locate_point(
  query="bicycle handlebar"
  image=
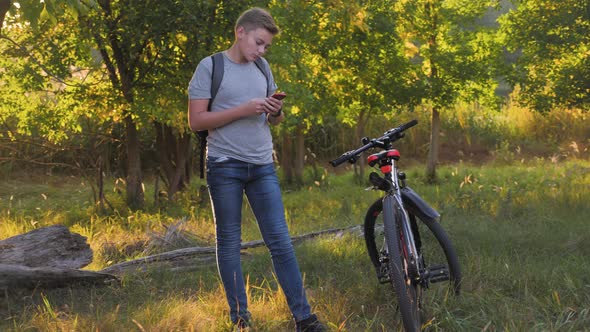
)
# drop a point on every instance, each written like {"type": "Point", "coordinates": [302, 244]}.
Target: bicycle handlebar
{"type": "Point", "coordinates": [390, 136]}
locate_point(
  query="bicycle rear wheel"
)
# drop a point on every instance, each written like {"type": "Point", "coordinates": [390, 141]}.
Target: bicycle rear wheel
{"type": "Point", "coordinates": [439, 258]}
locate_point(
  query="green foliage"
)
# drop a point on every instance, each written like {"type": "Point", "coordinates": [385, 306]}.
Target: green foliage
{"type": "Point", "coordinates": [454, 55]}
{"type": "Point", "coordinates": [111, 65]}
{"type": "Point", "coordinates": [482, 134]}
{"type": "Point", "coordinates": [551, 39]}
{"type": "Point", "coordinates": [339, 59]}
{"type": "Point", "coordinates": [294, 63]}
{"type": "Point", "coordinates": [145, 54]}
{"type": "Point", "coordinates": [34, 78]}
{"type": "Point", "coordinates": [343, 63]}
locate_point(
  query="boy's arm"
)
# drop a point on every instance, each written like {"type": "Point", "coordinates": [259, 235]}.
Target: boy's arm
{"type": "Point", "coordinates": [274, 119]}
{"type": "Point", "coordinates": [200, 119]}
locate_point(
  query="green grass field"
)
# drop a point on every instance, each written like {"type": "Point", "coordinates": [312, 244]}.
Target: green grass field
{"type": "Point", "coordinates": [521, 231]}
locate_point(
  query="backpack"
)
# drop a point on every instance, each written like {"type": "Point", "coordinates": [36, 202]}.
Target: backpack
{"type": "Point", "coordinates": [216, 78]}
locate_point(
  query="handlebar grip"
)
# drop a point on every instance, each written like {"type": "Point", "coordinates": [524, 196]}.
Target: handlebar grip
{"type": "Point", "coordinates": [340, 159]}
{"type": "Point", "coordinates": [393, 134]}
{"type": "Point", "coordinates": [408, 125]}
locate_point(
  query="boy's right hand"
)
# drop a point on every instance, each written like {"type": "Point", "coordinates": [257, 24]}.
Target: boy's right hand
{"type": "Point", "coordinates": [257, 106]}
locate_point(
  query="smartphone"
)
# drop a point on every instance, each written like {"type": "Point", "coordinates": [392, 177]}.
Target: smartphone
{"type": "Point", "coordinates": [279, 95]}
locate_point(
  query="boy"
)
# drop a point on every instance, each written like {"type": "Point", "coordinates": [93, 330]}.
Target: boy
{"type": "Point", "coordinates": [239, 160]}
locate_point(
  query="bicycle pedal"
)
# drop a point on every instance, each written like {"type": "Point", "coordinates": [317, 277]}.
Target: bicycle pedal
{"type": "Point", "coordinates": [383, 275]}
{"type": "Point", "coordinates": [437, 273]}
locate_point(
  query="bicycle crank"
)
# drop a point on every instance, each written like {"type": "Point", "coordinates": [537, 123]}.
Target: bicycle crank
{"type": "Point", "coordinates": [383, 269]}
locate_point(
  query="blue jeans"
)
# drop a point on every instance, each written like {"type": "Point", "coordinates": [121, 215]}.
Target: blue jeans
{"type": "Point", "coordinates": [228, 180]}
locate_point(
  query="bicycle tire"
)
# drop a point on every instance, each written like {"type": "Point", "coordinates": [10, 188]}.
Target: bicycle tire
{"type": "Point", "coordinates": [434, 227]}
{"type": "Point", "coordinates": [445, 243]}
{"type": "Point", "coordinates": [407, 292]}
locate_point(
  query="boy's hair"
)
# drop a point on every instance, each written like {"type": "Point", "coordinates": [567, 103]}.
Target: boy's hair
{"type": "Point", "coordinates": [255, 18]}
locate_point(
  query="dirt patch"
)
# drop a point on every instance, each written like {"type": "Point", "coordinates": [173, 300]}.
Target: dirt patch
{"type": "Point", "coordinates": [474, 154]}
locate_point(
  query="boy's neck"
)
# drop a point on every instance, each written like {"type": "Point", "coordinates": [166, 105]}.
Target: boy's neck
{"type": "Point", "coordinates": [234, 54]}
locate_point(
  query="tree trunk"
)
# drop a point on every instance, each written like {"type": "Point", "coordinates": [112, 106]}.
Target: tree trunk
{"type": "Point", "coordinates": [190, 157]}
{"type": "Point", "coordinates": [122, 69]}
{"type": "Point", "coordinates": [299, 155]}
{"type": "Point", "coordinates": [360, 133]}
{"type": "Point", "coordinates": [434, 146]}
{"type": "Point", "coordinates": [135, 194]}
{"type": "Point", "coordinates": [179, 181]}
{"type": "Point", "coordinates": [4, 7]}
{"type": "Point", "coordinates": [172, 151]}
{"type": "Point", "coordinates": [286, 157]}
{"type": "Point", "coordinates": [436, 92]}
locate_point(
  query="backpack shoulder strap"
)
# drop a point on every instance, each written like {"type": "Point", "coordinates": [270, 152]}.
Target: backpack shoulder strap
{"type": "Point", "coordinates": [216, 74]}
{"type": "Point", "coordinates": [266, 71]}
{"type": "Point", "coordinates": [216, 78]}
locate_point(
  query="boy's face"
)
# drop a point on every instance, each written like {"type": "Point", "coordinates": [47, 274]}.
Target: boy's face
{"type": "Point", "coordinates": [254, 43]}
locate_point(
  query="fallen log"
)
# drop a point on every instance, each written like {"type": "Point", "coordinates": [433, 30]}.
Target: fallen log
{"type": "Point", "coordinates": [20, 276]}
{"type": "Point", "coordinates": [53, 246]}
{"type": "Point", "coordinates": [47, 257]}
{"type": "Point", "coordinates": [200, 255]}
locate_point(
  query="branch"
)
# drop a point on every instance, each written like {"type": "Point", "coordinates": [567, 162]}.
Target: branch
{"type": "Point", "coordinates": [38, 63]}
{"type": "Point", "coordinates": [39, 163]}
{"type": "Point", "coordinates": [204, 254]}
{"type": "Point", "coordinates": [107, 59]}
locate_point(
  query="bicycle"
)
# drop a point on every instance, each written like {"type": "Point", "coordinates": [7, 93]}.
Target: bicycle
{"type": "Point", "coordinates": [409, 257]}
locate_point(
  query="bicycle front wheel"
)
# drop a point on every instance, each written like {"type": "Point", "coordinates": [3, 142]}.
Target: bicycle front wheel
{"type": "Point", "coordinates": [438, 256]}
{"type": "Point", "coordinates": [408, 292]}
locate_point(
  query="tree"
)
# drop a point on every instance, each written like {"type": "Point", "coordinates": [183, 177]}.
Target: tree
{"type": "Point", "coordinates": [201, 28]}
{"type": "Point", "coordinates": [150, 51]}
{"type": "Point", "coordinates": [147, 52]}
{"type": "Point", "coordinates": [119, 64]}
{"type": "Point", "coordinates": [454, 56]}
{"type": "Point", "coordinates": [38, 67]}
{"type": "Point", "coordinates": [131, 40]}
{"type": "Point", "coordinates": [44, 120]}
{"type": "Point", "coordinates": [366, 70]}
{"type": "Point", "coordinates": [294, 60]}
{"type": "Point", "coordinates": [552, 39]}
{"type": "Point", "coordinates": [340, 60]}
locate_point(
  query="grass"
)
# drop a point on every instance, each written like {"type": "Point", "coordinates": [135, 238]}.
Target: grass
{"type": "Point", "coordinates": [520, 229]}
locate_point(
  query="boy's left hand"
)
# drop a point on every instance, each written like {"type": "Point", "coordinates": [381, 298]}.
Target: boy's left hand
{"type": "Point", "coordinates": [273, 106]}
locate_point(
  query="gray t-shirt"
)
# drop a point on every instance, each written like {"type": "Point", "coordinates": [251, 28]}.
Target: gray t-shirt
{"type": "Point", "coordinates": [246, 139]}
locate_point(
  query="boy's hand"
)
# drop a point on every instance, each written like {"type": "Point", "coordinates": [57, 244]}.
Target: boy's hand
{"type": "Point", "coordinates": [257, 106]}
{"type": "Point", "coordinates": [273, 106]}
